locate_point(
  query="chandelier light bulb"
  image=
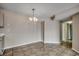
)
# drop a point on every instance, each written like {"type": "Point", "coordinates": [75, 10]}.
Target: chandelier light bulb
{"type": "Point", "coordinates": [35, 19]}
{"type": "Point", "coordinates": [30, 19]}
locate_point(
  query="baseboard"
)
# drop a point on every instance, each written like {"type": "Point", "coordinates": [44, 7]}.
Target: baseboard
{"type": "Point", "coordinates": [53, 42]}
{"type": "Point", "coordinates": [75, 50]}
{"type": "Point", "coordinates": [30, 43]}
{"type": "Point", "coordinates": [22, 44]}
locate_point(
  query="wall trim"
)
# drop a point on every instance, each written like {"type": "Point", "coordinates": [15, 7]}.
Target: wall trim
{"type": "Point", "coordinates": [53, 42]}
{"type": "Point", "coordinates": [22, 44]}
{"type": "Point", "coordinates": [30, 43]}
{"type": "Point", "coordinates": [75, 50]}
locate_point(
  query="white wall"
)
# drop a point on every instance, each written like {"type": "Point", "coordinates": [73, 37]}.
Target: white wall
{"type": "Point", "coordinates": [52, 32]}
{"type": "Point", "coordinates": [19, 31]}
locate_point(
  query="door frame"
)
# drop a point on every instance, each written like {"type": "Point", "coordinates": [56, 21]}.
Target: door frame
{"type": "Point", "coordinates": [67, 19]}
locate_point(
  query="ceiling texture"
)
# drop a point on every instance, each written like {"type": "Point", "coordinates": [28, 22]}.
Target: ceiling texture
{"type": "Point", "coordinates": [43, 10]}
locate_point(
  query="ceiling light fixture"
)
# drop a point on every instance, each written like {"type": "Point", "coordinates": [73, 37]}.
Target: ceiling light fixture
{"type": "Point", "coordinates": [33, 18]}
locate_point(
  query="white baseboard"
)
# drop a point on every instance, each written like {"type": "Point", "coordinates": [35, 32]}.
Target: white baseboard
{"type": "Point", "coordinates": [30, 43]}
{"type": "Point", "coordinates": [21, 44]}
{"type": "Point", "coordinates": [75, 50]}
{"type": "Point", "coordinates": [53, 42]}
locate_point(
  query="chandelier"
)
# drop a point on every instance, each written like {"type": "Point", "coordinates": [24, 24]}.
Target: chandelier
{"type": "Point", "coordinates": [33, 18]}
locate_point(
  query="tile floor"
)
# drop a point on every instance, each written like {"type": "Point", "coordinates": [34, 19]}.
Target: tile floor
{"type": "Point", "coordinates": [38, 49]}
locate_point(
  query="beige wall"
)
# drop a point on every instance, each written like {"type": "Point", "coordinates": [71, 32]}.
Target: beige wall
{"type": "Point", "coordinates": [75, 43]}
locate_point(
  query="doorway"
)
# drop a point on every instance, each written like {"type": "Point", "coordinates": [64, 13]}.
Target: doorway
{"type": "Point", "coordinates": [66, 33]}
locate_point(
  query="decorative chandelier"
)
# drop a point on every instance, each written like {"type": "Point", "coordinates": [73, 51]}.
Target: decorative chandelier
{"type": "Point", "coordinates": [33, 18]}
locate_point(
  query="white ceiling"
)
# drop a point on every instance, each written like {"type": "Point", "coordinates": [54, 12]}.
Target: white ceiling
{"type": "Point", "coordinates": [43, 10]}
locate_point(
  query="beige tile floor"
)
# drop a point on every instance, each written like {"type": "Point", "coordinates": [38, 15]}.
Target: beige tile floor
{"type": "Point", "coordinates": [38, 49]}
